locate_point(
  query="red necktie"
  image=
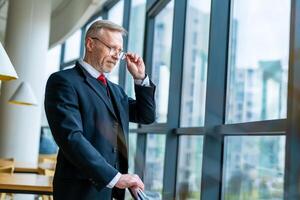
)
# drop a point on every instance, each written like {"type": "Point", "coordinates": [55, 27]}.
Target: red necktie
{"type": "Point", "coordinates": [103, 80]}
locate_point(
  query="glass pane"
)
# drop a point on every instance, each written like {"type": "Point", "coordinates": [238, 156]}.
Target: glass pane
{"type": "Point", "coordinates": [253, 168]}
{"type": "Point", "coordinates": [115, 14]}
{"type": "Point", "coordinates": [132, 150]}
{"type": "Point", "coordinates": [155, 155]}
{"type": "Point", "coordinates": [47, 143]}
{"type": "Point", "coordinates": [189, 167]}
{"type": "Point", "coordinates": [133, 125]}
{"type": "Point", "coordinates": [131, 158]}
{"type": "Point", "coordinates": [72, 48]}
{"type": "Point", "coordinates": [195, 63]}
{"type": "Point", "coordinates": [135, 37]}
{"type": "Point", "coordinates": [258, 60]}
{"type": "Point", "coordinates": [162, 58]}
{"type": "Point", "coordinates": [53, 60]}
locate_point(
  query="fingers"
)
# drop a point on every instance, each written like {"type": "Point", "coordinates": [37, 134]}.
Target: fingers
{"type": "Point", "coordinates": [129, 181]}
{"type": "Point", "coordinates": [135, 181]}
{"type": "Point", "coordinates": [133, 57]}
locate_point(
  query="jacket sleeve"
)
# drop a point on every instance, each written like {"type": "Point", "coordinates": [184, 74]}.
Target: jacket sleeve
{"type": "Point", "coordinates": [142, 110]}
{"type": "Point", "coordinates": [62, 110]}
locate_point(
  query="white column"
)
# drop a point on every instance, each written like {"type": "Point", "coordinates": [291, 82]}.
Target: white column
{"type": "Point", "coordinates": [27, 38]}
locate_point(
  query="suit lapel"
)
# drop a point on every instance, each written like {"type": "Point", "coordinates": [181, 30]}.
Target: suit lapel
{"type": "Point", "coordinates": [100, 91]}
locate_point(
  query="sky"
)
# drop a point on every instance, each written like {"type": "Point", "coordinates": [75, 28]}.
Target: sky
{"type": "Point", "coordinates": [263, 31]}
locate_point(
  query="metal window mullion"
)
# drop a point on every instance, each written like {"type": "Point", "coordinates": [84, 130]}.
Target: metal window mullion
{"type": "Point", "coordinates": [176, 70]}
{"type": "Point", "coordinates": [150, 3]}
{"type": "Point", "coordinates": [140, 156]}
{"type": "Point", "coordinates": [126, 22]}
{"type": "Point", "coordinates": [292, 161]}
{"type": "Point", "coordinates": [62, 55]}
{"type": "Point", "coordinates": [82, 41]}
{"type": "Point", "coordinates": [215, 100]}
{"type": "Point", "coordinates": [149, 39]}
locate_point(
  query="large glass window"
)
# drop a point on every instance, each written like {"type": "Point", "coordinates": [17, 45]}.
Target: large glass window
{"type": "Point", "coordinates": [72, 48]}
{"type": "Point", "coordinates": [135, 37]}
{"type": "Point", "coordinates": [115, 14]}
{"type": "Point", "coordinates": [53, 60]}
{"type": "Point", "coordinates": [132, 151]}
{"type": "Point", "coordinates": [131, 158]}
{"type": "Point", "coordinates": [195, 63]}
{"type": "Point", "coordinates": [155, 155]}
{"type": "Point", "coordinates": [258, 60]}
{"type": "Point", "coordinates": [253, 167]}
{"type": "Point", "coordinates": [189, 167]}
{"type": "Point", "coordinates": [162, 58]}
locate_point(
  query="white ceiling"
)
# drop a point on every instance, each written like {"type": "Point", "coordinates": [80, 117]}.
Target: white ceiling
{"type": "Point", "coordinates": [56, 5]}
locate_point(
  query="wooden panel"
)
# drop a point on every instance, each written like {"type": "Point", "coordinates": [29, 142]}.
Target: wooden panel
{"type": "Point", "coordinates": [25, 183]}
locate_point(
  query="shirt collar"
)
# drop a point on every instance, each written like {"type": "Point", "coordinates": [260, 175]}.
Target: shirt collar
{"type": "Point", "coordinates": [89, 68]}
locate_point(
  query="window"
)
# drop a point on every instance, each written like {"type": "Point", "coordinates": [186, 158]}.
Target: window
{"type": "Point", "coordinates": [132, 151]}
{"type": "Point", "coordinates": [115, 14]}
{"type": "Point", "coordinates": [253, 167]}
{"type": "Point", "coordinates": [161, 59]}
{"type": "Point", "coordinates": [135, 37]}
{"type": "Point", "coordinates": [189, 167]}
{"type": "Point", "coordinates": [53, 60]}
{"type": "Point", "coordinates": [131, 158]}
{"type": "Point", "coordinates": [72, 48]}
{"type": "Point", "coordinates": [258, 59]}
{"type": "Point", "coordinates": [195, 63]}
{"type": "Point", "coordinates": [155, 155]}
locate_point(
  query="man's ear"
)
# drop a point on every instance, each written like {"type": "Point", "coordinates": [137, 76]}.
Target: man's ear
{"type": "Point", "coordinates": [89, 44]}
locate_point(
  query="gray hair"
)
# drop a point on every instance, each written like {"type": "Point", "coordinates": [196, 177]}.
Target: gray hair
{"type": "Point", "coordinates": [104, 24]}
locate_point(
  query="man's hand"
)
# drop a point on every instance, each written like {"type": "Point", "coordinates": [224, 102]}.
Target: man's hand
{"type": "Point", "coordinates": [135, 66]}
{"type": "Point", "coordinates": [130, 181]}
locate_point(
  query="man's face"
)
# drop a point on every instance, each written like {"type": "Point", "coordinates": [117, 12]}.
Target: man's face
{"type": "Point", "coordinates": [104, 48]}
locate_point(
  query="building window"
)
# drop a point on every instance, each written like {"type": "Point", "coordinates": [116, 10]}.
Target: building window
{"type": "Point", "coordinates": [189, 167]}
{"type": "Point", "coordinates": [72, 48]}
{"type": "Point", "coordinates": [115, 14]}
{"type": "Point", "coordinates": [258, 57]}
{"type": "Point", "coordinates": [257, 169]}
{"type": "Point", "coordinates": [195, 62]}
{"type": "Point", "coordinates": [162, 58]}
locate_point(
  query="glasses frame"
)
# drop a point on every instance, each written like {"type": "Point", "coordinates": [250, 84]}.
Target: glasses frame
{"type": "Point", "coordinates": [112, 51]}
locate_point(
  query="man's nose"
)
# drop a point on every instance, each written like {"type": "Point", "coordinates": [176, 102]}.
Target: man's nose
{"type": "Point", "coordinates": [115, 56]}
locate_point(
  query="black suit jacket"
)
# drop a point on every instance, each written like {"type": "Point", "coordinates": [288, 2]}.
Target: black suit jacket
{"type": "Point", "coordinates": [85, 125]}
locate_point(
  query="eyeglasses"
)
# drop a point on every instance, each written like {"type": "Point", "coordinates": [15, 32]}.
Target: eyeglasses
{"type": "Point", "coordinates": [112, 51]}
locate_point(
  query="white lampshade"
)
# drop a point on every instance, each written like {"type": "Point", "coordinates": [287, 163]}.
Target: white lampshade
{"type": "Point", "coordinates": [23, 95]}
{"type": "Point", "coordinates": [7, 71]}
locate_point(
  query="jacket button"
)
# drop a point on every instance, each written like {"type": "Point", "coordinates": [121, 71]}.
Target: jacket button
{"type": "Point", "coordinates": [114, 150]}
{"type": "Point", "coordinates": [116, 124]}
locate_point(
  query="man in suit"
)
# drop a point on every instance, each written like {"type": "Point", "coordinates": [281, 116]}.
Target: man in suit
{"type": "Point", "coordinates": [89, 118]}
